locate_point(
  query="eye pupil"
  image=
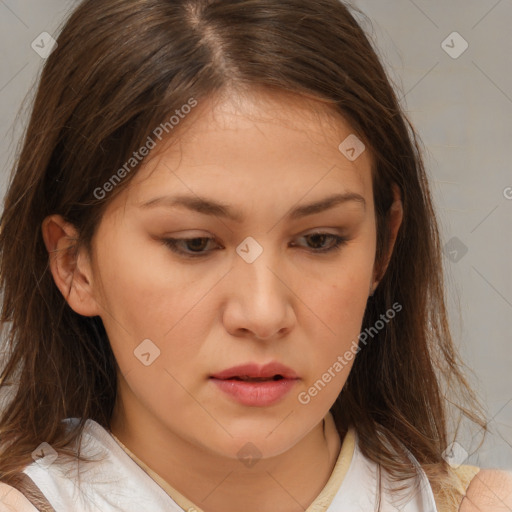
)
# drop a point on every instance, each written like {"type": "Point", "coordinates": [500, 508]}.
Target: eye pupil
{"type": "Point", "coordinates": [314, 237]}
{"type": "Point", "coordinates": [193, 245]}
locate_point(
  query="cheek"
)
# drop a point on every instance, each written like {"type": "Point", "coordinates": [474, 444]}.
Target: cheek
{"type": "Point", "coordinates": [339, 309]}
{"type": "Point", "coordinates": [337, 301]}
{"type": "Point", "coordinates": [143, 292]}
{"type": "Point", "coordinates": [173, 310]}
{"type": "Point", "coordinates": [338, 297]}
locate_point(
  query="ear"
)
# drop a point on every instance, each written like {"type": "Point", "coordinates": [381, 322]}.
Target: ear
{"type": "Point", "coordinates": [395, 217]}
{"type": "Point", "coordinates": [70, 268]}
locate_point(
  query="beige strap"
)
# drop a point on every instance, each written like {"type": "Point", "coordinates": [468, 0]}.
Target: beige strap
{"type": "Point", "coordinates": [29, 489]}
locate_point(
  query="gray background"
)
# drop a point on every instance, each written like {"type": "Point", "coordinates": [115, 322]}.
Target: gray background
{"type": "Point", "coordinates": [461, 107]}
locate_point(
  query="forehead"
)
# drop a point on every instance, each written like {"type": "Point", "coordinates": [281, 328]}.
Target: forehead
{"type": "Point", "coordinates": [247, 145]}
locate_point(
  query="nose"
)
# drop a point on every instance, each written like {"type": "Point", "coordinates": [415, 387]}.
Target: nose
{"type": "Point", "coordinates": [260, 300]}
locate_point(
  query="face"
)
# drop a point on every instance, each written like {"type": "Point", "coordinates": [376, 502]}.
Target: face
{"type": "Point", "coordinates": [186, 293]}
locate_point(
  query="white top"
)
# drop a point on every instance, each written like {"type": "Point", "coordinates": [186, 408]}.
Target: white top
{"type": "Point", "coordinates": [119, 484]}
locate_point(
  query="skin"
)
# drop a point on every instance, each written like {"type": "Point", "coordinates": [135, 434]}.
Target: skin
{"type": "Point", "coordinates": [263, 155]}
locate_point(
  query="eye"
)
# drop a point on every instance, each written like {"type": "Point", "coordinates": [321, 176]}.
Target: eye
{"type": "Point", "coordinates": [195, 247]}
{"type": "Point", "coordinates": [195, 244]}
{"type": "Point", "coordinates": [319, 238]}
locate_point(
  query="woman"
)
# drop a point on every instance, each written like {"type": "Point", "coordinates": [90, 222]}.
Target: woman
{"type": "Point", "coordinates": [249, 371]}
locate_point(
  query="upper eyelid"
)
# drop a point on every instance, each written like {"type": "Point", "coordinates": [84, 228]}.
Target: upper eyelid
{"type": "Point", "coordinates": [311, 231]}
{"type": "Point", "coordinates": [214, 238]}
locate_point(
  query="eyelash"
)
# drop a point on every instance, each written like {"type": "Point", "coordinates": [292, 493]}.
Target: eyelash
{"type": "Point", "coordinates": [172, 243]}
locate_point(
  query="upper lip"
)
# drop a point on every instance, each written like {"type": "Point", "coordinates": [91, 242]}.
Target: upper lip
{"type": "Point", "coordinates": [253, 370]}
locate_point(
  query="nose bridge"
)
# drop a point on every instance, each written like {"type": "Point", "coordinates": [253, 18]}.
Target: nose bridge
{"type": "Point", "coordinates": [257, 265]}
{"type": "Point", "coordinates": [260, 290]}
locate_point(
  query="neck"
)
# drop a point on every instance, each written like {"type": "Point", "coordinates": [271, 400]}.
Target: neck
{"type": "Point", "coordinates": [289, 482]}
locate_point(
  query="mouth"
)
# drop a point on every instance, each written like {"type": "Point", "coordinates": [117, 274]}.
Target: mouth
{"type": "Point", "coordinates": [256, 386]}
{"type": "Point", "coordinates": [246, 378]}
{"type": "Point", "coordinates": [255, 372]}
{"type": "Point", "coordinates": [255, 391]}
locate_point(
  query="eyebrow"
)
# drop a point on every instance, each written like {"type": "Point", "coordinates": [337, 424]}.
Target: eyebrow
{"type": "Point", "coordinates": [211, 207]}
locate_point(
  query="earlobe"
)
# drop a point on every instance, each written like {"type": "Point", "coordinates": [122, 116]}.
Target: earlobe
{"type": "Point", "coordinates": [69, 266]}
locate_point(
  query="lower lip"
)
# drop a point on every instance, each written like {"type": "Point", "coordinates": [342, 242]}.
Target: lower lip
{"type": "Point", "coordinates": [256, 394]}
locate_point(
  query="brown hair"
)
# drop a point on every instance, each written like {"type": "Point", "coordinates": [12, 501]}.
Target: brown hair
{"type": "Point", "coordinates": [121, 68]}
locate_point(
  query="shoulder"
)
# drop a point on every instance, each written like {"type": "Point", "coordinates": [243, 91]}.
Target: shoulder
{"type": "Point", "coordinates": [490, 490]}
{"type": "Point", "coordinates": [12, 500]}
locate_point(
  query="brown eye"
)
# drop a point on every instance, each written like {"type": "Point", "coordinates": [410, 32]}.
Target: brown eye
{"type": "Point", "coordinates": [195, 245]}
{"type": "Point", "coordinates": [319, 239]}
